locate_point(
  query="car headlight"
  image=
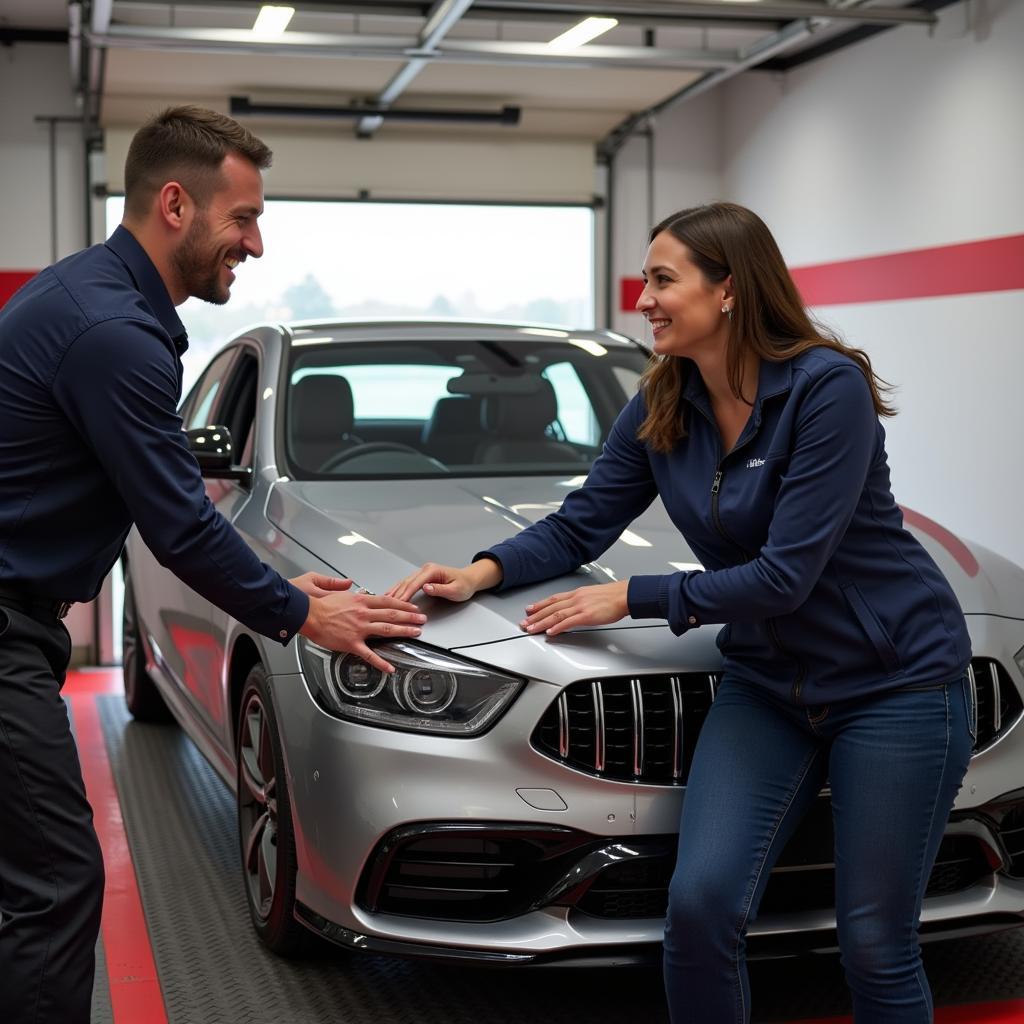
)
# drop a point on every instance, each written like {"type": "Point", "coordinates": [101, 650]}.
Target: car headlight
{"type": "Point", "coordinates": [428, 692]}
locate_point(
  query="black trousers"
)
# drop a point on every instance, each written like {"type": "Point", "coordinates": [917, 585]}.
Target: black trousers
{"type": "Point", "coordinates": [51, 868]}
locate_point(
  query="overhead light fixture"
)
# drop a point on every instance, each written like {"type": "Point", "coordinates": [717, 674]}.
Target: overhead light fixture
{"type": "Point", "coordinates": [272, 21]}
{"type": "Point", "coordinates": [587, 29]}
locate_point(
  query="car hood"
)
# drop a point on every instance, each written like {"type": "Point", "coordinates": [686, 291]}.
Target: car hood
{"type": "Point", "coordinates": [377, 532]}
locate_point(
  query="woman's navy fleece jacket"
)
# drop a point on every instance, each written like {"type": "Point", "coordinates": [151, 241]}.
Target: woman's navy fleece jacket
{"type": "Point", "coordinates": [824, 594]}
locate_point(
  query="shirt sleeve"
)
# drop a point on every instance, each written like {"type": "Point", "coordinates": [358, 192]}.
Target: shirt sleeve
{"type": "Point", "coordinates": [618, 488]}
{"type": "Point", "coordinates": [834, 443]}
{"type": "Point", "coordinates": [117, 384]}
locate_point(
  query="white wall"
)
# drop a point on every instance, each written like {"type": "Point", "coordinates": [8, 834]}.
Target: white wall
{"type": "Point", "coordinates": [904, 141]}
{"type": "Point", "coordinates": [687, 172]}
{"type": "Point", "coordinates": [35, 82]}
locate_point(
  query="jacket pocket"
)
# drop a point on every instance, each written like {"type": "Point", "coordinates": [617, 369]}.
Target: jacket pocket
{"type": "Point", "coordinates": [869, 622]}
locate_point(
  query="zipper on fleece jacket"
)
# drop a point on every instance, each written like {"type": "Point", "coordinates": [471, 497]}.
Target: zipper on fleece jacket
{"type": "Point", "coordinates": [716, 519]}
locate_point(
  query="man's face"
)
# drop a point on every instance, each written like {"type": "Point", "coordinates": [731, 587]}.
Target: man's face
{"type": "Point", "coordinates": [223, 234]}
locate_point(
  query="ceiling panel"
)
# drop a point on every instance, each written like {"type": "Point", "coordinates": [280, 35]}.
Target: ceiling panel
{"type": "Point", "coordinates": [606, 89]}
{"type": "Point", "coordinates": [155, 72]}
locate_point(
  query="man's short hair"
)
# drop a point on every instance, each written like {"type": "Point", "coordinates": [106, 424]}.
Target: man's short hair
{"type": "Point", "coordinates": [185, 144]}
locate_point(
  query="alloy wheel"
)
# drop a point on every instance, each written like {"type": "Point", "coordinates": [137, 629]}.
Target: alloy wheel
{"type": "Point", "coordinates": [258, 806]}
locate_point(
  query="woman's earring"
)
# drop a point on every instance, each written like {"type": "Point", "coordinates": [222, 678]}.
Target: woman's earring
{"type": "Point", "coordinates": [728, 312]}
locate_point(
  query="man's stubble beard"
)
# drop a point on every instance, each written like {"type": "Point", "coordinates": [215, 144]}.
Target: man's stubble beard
{"type": "Point", "coordinates": [192, 262]}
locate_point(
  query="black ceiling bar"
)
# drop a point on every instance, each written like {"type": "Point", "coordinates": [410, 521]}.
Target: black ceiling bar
{"type": "Point", "coordinates": [844, 39]}
{"type": "Point", "coordinates": [241, 106]}
{"type": "Point", "coordinates": [10, 36]}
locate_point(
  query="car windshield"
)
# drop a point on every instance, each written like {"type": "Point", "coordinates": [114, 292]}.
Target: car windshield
{"type": "Point", "coordinates": [453, 406]}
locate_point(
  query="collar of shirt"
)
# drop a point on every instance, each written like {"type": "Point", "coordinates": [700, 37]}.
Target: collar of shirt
{"type": "Point", "coordinates": [774, 377]}
{"type": "Point", "coordinates": [148, 280]}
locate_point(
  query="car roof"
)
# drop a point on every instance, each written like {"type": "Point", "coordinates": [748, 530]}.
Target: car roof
{"type": "Point", "coordinates": [426, 329]}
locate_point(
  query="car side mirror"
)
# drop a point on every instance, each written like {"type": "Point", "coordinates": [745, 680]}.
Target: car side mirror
{"type": "Point", "coordinates": [215, 453]}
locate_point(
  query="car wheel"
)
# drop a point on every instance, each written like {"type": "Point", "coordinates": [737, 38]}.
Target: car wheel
{"type": "Point", "coordinates": [140, 692]}
{"type": "Point", "coordinates": [265, 823]}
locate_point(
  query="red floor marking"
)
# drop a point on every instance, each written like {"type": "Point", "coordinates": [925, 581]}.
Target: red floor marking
{"type": "Point", "coordinates": [1009, 1012]}
{"type": "Point", "coordinates": [135, 995]}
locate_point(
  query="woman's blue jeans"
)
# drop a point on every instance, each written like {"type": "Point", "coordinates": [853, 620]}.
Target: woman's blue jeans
{"type": "Point", "coordinates": [894, 763]}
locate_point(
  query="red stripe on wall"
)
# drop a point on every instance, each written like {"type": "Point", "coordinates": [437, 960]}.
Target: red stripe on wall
{"type": "Point", "coordinates": [12, 280]}
{"type": "Point", "coordinates": [629, 293]}
{"type": "Point", "coordinates": [968, 268]}
{"type": "Point", "coordinates": [135, 994]}
{"type": "Point", "coordinates": [992, 265]}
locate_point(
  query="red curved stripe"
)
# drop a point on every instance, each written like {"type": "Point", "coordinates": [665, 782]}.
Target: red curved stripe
{"type": "Point", "coordinates": [953, 544]}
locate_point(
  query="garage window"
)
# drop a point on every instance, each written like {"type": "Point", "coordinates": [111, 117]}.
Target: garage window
{"type": "Point", "coordinates": [328, 260]}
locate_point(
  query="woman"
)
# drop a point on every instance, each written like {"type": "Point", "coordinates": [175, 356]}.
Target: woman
{"type": "Point", "coordinates": [844, 648]}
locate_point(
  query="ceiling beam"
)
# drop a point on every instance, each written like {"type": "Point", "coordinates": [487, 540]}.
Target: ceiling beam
{"type": "Point", "coordinates": [465, 51]}
{"type": "Point", "coordinates": [444, 15]}
{"type": "Point", "coordinates": [783, 10]}
{"type": "Point", "coordinates": [765, 14]}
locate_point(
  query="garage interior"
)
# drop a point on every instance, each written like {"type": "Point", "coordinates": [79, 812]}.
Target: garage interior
{"type": "Point", "coordinates": [882, 144]}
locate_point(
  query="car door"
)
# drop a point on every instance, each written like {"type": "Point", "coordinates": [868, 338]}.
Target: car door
{"type": "Point", "coordinates": [175, 617]}
{"type": "Point", "coordinates": [235, 408]}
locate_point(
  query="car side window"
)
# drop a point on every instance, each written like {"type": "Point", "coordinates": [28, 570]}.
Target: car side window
{"type": "Point", "coordinates": [198, 415]}
{"type": "Point", "coordinates": [576, 415]}
{"type": "Point", "coordinates": [237, 408]}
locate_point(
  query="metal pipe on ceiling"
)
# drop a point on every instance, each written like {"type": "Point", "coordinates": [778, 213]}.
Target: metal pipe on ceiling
{"type": "Point", "coordinates": [445, 14]}
{"type": "Point", "coordinates": [760, 51]}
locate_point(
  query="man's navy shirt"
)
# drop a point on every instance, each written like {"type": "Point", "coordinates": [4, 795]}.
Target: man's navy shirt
{"type": "Point", "coordinates": [90, 441]}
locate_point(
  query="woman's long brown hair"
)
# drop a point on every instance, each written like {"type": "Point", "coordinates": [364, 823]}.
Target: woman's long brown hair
{"type": "Point", "coordinates": [769, 317]}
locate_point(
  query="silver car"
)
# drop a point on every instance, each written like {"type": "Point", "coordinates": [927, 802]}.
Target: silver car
{"type": "Point", "coordinates": [501, 797]}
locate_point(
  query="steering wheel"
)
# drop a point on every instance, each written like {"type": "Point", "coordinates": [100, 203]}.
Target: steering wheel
{"type": "Point", "coordinates": [368, 448]}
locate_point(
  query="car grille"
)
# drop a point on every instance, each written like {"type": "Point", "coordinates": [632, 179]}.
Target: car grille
{"type": "Point", "coordinates": [644, 728]}
{"type": "Point", "coordinates": [1011, 831]}
{"type": "Point", "coordinates": [640, 888]}
{"type": "Point", "coordinates": [640, 729]}
{"type": "Point", "coordinates": [467, 872]}
{"type": "Point", "coordinates": [475, 873]}
{"type": "Point", "coordinates": [999, 703]}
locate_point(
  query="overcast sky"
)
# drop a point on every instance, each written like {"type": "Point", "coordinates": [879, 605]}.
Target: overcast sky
{"type": "Point", "coordinates": [408, 254]}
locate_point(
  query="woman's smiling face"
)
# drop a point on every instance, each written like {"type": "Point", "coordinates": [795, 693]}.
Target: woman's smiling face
{"type": "Point", "coordinates": [683, 308]}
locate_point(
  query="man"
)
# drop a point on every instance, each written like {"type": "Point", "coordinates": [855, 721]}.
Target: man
{"type": "Point", "coordinates": [90, 378]}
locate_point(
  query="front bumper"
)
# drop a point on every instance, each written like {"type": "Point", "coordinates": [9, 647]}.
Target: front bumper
{"type": "Point", "coordinates": [358, 789]}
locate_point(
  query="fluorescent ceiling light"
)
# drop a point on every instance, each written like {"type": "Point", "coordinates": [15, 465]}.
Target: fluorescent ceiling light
{"type": "Point", "coordinates": [272, 21]}
{"type": "Point", "coordinates": [587, 29]}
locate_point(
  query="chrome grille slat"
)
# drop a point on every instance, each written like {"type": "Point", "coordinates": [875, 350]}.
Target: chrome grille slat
{"type": "Point", "coordinates": [638, 727]}
{"type": "Point", "coordinates": [678, 738]}
{"type": "Point", "coordinates": [997, 697]}
{"type": "Point", "coordinates": [599, 732]}
{"type": "Point", "coordinates": [563, 724]}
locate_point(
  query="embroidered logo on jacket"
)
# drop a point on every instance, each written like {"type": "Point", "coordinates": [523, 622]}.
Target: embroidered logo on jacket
{"type": "Point", "coordinates": [754, 463]}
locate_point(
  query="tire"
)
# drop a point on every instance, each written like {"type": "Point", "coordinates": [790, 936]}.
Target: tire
{"type": "Point", "coordinates": [265, 834]}
{"type": "Point", "coordinates": [140, 692]}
